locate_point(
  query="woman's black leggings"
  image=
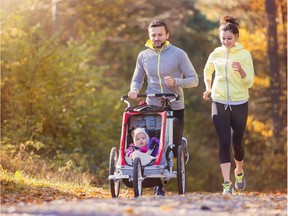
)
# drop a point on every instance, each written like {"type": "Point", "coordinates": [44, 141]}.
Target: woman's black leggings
{"type": "Point", "coordinates": [230, 121]}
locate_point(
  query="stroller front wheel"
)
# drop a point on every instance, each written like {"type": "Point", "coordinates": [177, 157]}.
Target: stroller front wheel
{"type": "Point", "coordinates": [137, 177]}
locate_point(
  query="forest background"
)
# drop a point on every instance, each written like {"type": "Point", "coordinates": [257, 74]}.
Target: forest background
{"type": "Point", "coordinates": [66, 63]}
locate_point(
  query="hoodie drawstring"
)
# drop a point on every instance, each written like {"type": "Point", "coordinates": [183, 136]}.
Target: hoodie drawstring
{"type": "Point", "coordinates": [228, 104]}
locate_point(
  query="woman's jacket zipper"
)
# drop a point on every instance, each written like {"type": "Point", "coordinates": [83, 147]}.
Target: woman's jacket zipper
{"type": "Point", "coordinates": [227, 84]}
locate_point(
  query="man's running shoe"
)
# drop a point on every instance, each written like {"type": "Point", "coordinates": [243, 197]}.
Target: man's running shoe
{"type": "Point", "coordinates": [227, 188]}
{"type": "Point", "coordinates": [184, 143]}
{"type": "Point", "coordinates": [159, 190]}
{"type": "Point", "coordinates": [240, 181]}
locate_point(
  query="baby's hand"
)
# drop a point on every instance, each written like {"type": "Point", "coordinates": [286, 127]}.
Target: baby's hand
{"type": "Point", "coordinates": [153, 145]}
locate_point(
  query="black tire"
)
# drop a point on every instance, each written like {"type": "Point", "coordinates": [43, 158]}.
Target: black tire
{"type": "Point", "coordinates": [181, 171]}
{"type": "Point", "coordinates": [137, 177]}
{"type": "Point", "coordinates": [114, 184]}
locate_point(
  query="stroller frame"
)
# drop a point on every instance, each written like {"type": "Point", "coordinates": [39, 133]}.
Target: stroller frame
{"type": "Point", "coordinates": [162, 168]}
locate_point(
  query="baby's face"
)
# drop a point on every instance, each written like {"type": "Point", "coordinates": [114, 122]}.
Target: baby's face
{"type": "Point", "coordinates": [141, 140]}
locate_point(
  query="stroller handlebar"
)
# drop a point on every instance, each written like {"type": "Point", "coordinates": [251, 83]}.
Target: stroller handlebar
{"type": "Point", "coordinates": [175, 97]}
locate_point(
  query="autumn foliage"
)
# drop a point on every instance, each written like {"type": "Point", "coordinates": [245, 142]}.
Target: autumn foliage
{"type": "Point", "coordinates": [64, 68]}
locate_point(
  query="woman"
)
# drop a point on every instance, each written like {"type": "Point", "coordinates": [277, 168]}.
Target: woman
{"type": "Point", "coordinates": [234, 75]}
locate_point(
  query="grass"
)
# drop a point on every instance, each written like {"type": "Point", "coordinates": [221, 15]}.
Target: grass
{"type": "Point", "coordinates": [19, 187]}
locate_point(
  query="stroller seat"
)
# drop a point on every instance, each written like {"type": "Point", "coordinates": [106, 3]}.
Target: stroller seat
{"type": "Point", "coordinates": [152, 123]}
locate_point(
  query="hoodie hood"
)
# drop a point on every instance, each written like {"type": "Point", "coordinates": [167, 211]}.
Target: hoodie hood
{"type": "Point", "coordinates": [234, 49]}
{"type": "Point", "coordinates": [150, 45]}
{"type": "Point", "coordinates": [140, 130]}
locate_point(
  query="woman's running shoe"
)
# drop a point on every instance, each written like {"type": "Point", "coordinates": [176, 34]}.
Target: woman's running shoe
{"type": "Point", "coordinates": [240, 181]}
{"type": "Point", "coordinates": [227, 188]}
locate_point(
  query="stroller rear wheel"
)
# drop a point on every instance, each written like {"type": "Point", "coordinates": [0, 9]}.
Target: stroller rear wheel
{"type": "Point", "coordinates": [137, 177]}
{"type": "Point", "coordinates": [181, 171]}
{"type": "Point", "coordinates": [114, 183]}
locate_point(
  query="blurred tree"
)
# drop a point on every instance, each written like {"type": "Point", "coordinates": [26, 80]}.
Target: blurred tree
{"type": "Point", "coordinates": [275, 81]}
{"type": "Point", "coordinates": [53, 91]}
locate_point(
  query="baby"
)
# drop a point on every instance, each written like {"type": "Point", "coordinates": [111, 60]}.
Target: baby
{"type": "Point", "coordinates": [142, 143]}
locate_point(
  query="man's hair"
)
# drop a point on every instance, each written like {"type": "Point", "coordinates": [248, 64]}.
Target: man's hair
{"type": "Point", "coordinates": [158, 23]}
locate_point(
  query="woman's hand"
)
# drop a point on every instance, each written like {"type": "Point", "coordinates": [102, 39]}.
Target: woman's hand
{"type": "Point", "coordinates": [238, 68]}
{"type": "Point", "coordinates": [206, 94]}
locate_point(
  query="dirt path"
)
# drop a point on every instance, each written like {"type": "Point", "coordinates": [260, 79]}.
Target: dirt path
{"type": "Point", "coordinates": [254, 204]}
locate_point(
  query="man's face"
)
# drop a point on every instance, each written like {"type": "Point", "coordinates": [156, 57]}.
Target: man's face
{"type": "Point", "coordinates": [158, 36]}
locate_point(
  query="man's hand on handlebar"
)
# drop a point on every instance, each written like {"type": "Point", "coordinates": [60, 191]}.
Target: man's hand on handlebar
{"type": "Point", "coordinates": [133, 94]}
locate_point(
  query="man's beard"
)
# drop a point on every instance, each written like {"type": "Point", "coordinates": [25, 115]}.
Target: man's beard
{"type": "Point", "coordinates": [159, 46]}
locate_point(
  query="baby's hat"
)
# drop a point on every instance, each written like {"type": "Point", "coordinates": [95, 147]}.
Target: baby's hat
{"type": "Point", "coordinates": [140, 130]}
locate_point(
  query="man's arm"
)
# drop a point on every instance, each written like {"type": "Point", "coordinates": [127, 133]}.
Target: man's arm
{"type": "Point", "coordinates": [137, 79]}
{"type": "Point", "coordinates": [190, 78]}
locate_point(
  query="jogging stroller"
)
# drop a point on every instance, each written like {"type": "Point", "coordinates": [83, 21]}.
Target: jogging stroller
{"type": "Point", "coordinates": [139, 173]}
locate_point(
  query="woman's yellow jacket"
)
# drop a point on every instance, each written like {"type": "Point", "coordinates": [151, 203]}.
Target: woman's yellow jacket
{"type": "Point", "coordinates": [228, 86]}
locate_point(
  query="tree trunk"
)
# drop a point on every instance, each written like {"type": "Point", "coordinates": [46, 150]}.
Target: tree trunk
{"type": "Point", "coordinates": [55, 16]}
{"type": "Point", "coordinates": [274, 69]}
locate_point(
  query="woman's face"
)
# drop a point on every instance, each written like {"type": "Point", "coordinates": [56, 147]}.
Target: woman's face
{"type": "Point", "coordinates": [228, 39]}
{"type": "Point", "coordinates": [141, 140]}
{"type": "Point", "coordinates": [158, 36]}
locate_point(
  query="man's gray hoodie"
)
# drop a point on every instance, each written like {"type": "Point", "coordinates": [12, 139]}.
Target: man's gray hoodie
{"type": "Point", "coordinates": [169, 61]}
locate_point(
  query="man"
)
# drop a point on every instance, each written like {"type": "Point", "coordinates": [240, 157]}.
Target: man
{"type": "Point", "coordinates": [168, 70]}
